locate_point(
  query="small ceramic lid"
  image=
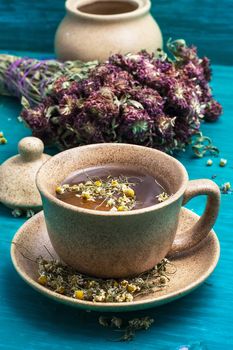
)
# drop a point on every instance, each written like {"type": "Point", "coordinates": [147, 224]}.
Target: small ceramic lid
{"type": "Point", "coordinates": [18, 174]}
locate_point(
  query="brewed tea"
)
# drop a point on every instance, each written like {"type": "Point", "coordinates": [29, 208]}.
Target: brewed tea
{"type": "Point", "coordinates": [111, 188]}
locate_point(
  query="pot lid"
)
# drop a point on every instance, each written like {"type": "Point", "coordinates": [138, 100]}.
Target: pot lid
{"type": "Point", "coordinates": [18, 176]}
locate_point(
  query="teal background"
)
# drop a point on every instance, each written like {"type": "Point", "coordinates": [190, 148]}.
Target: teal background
{"type": "Point", "coordinates": [202, 320]}
{"type": "Point", "coordinates": [30, 25]}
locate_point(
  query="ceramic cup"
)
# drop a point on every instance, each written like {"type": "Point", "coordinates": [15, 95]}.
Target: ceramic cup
{"type": "Point", "coordinates": [107, 244]}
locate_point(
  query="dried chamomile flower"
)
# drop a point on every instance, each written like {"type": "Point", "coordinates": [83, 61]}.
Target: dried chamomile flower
{"type": "Point", "coordinates": [134, 325]}
{"type": "Point", "coordinates": [141, 323]}
{"type": "Point", "coordinates": [30, 213]}
{"type": "Point", "coordinates": [17, 213]}
{"type": "Point", "coordinates": [60, 290]}
{"type": "Point", "coordinates": [116, 322]}
{"type": "Point", "coordinates": [104, 321]}
{"type": "Point", "coordinates": [59, 190]}
{"type": "Point", "coordinates": [114, 183]}
{"type": "Point", "coordinates": [85, 195]}
{"type": "Point", "coordinates": [131, 288]}
{"type": "Point", "coordinates": [3, 140]}
{"type": "Point", "coordinates": [162, 197]}
{"type": "Point", "coordinates": [129, 192]}
{"type": "Point", "coordinates": [100, 296]}
{"type": "Point", "coordinates": [163, 280]}
{"type": "Point", "coordinates": [79, 294]}
{"type": "Point", "coordinates": [226, 188]}
{"type": "Point", "coordinates": [42, 279]}
{"type": "Point", "coordinates": [209, 162]}
{"type": "Point", "coordinates": [223, 162]}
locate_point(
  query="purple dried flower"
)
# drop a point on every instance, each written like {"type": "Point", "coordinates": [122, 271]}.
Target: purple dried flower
{"type": "Point", "coordinates": [89, 130]}
{"type": "Point", "coordinates": [35, 118]}
{"type": "Point", "coordinates": [60, 86]}
{"type": "Point", "coordinates": [102, 105]}
{"type": "Point", "coordinates": [212, 111]}
{"type": "Point", "coordinates": [135, 125]}
{"type": "Point", "coordinates": [150, 100]}
{"type": "Point", "coordinates": [120, 82]}
{"type": "Point", "coordinates": [205, 63]}
{"type": "Point", "coordinates": [88, 86]}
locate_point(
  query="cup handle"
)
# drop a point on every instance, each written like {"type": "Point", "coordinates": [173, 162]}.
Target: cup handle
{"type": "Point", "coordinates": [194, 235]}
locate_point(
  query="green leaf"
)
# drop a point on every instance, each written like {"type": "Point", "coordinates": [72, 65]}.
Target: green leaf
{"type": "Point", "coordinates": [135, 104]}
{"type": "Point", "coordinates": [25, 103]}
{"type": "Point", "coordinates": [50, 111]}
{"type": "Point", "coordinates": [140, 126]}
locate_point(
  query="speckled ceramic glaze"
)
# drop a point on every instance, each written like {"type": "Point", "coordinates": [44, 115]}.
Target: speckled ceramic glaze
{"type": "Point", "coordinates": [107, 244]}
{"type": "Point", "coordinates": [191, 269]}
{"type": "Point", "coordinates": [106, 27]}
{"type": "Point", "coordinates": [18, 176]}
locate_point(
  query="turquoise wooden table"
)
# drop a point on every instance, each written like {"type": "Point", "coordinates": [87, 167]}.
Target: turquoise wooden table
{"type": "Point", "coordinates": [201, 320]}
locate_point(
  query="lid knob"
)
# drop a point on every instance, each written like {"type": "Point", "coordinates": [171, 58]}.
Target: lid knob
{"type": "Point", "coordinates": [30, 148]}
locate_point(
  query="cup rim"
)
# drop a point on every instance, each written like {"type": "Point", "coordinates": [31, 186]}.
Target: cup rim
{"type": "Point", "coordinates": [174, 197]}
{"type": "Point", "coordinates": [72, 7]}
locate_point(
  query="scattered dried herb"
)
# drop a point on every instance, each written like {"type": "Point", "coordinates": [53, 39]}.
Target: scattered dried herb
{"type": "Point", "coordinates": [128, 327]}
{"type": "Point", "coordinates": [202, 144]}
{"type": "Point", "coordinates": [209, 162]}
{"type": "Point", "coordinates": [20, 212]}
{"type": "Point", "coordinates": [223, 162]}
{"type": "Point", "coordinates": [3, 140]}
{"type": "Point", "coordinates": [65, 280]}
{"type": "Point", "coordinates": [162, 197]}
{"type": "Point", "coordinates": [226, 188]}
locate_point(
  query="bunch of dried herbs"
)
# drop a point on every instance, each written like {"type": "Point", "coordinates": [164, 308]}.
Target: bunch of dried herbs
{"type": "Point", "coordinates": [65, 280]}
{"type": "Point", "coordinates": [152, 100]}
{"type": "Point", "coordinates": [32, 79]}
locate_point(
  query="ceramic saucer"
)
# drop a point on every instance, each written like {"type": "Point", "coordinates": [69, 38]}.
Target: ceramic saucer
{"type": "Point", "coordinates": [192, 268]}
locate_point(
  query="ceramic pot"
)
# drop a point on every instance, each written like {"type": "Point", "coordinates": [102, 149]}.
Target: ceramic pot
{"type": "Point", "coordinates": [119, 244]}
{"type": "Point", "coordinates": [93, 30]}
